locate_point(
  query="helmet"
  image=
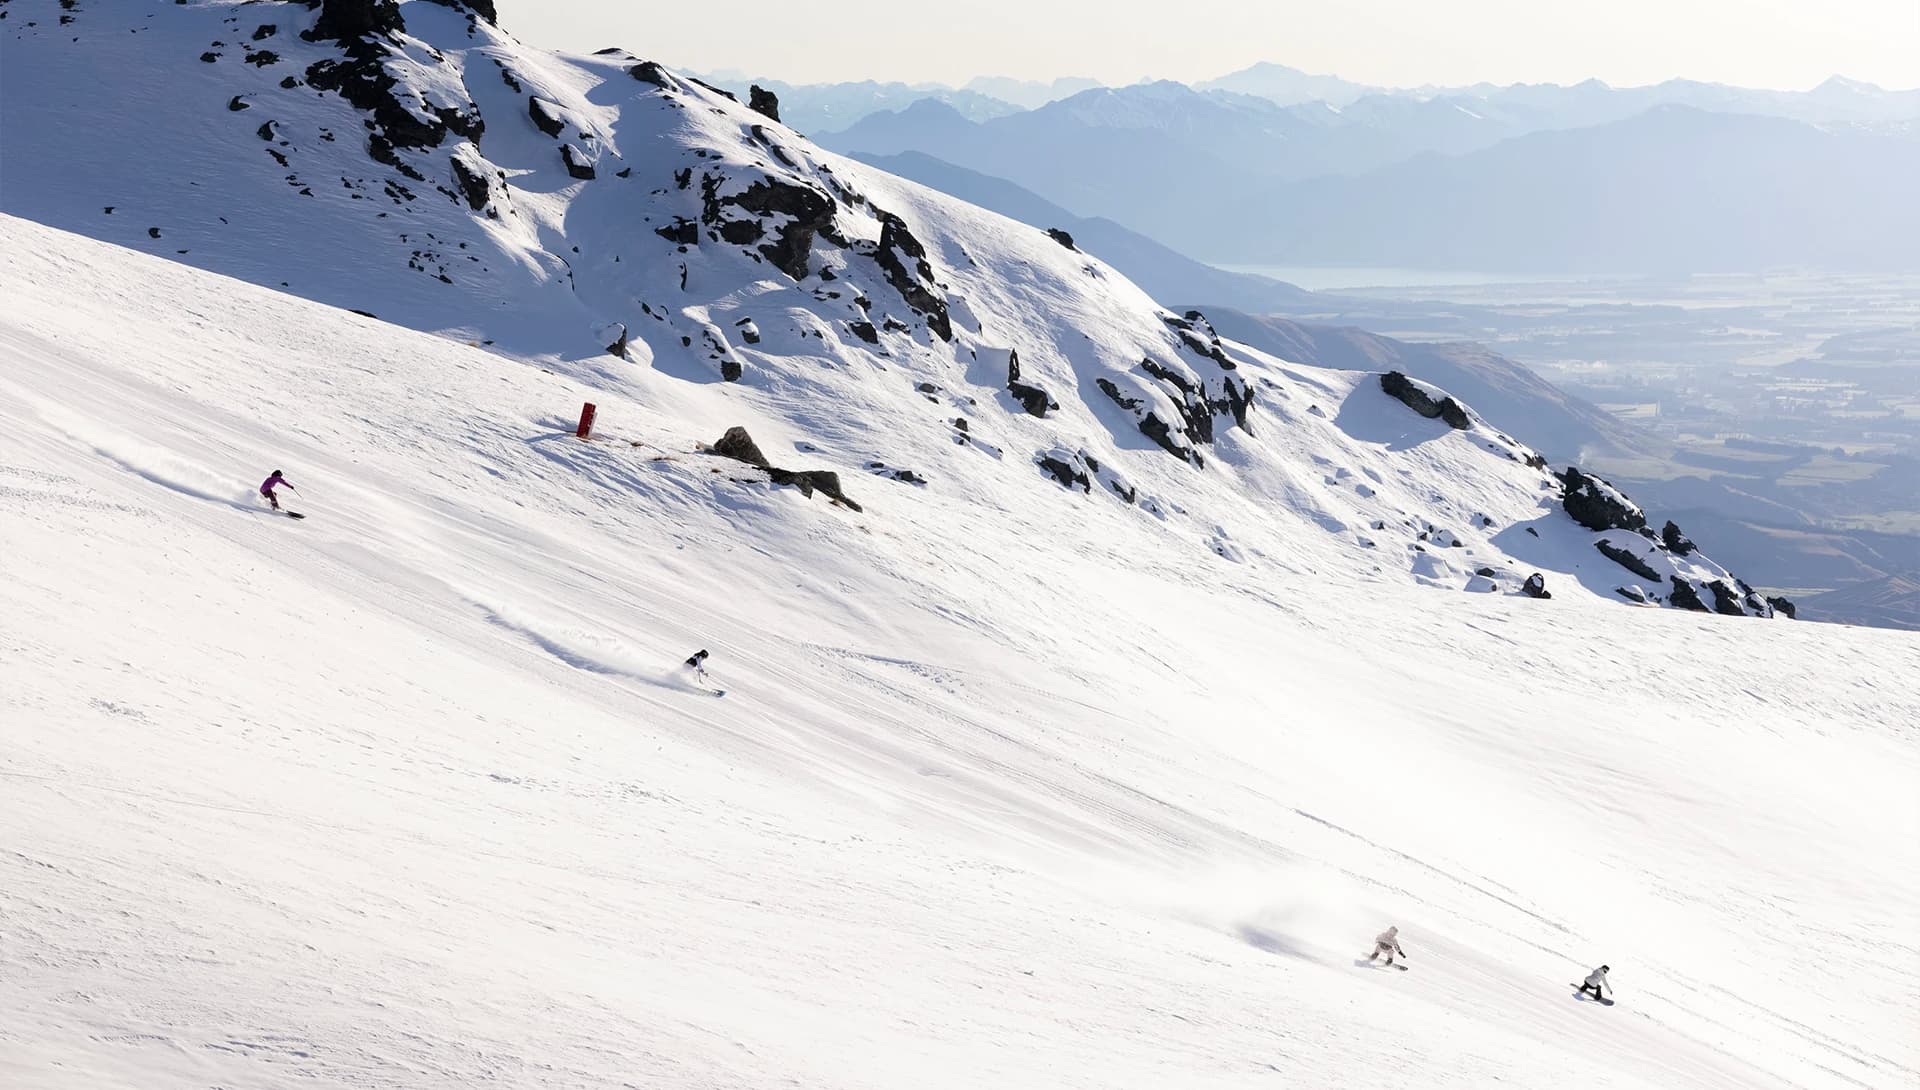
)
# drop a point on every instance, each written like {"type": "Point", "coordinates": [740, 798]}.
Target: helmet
{"type": "Point", "coordinates": [275, 473]}
{"type": "Point", "coordinates": [1605, 969]}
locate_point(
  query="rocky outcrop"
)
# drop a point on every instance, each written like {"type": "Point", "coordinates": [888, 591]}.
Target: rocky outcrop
{"type": "Point", "coordinates": [762, 101]}
{"type": "Point", "coordinates": [342, 19]}
{"type": "Point", "coordinates": [651, 72]}
{"type": "Point", "coordinates": [1415, 397]}
{"type": "Point", "coordinates": [1726, 600]}
{"type": "Point", "coordinates": [1782, 605]}
{"type": "Point", "coordinates": [363, 29]}
{"type": "Point", "coordinates": [739, 446]}
{"type": "Point", "coordinates": [904, 260]}
{"type": "Point", "coordinates": [470, 177]}
{"type": "Point", "coordinates": [1064, 469]}
{"type": "Point", "coordinates": [1597, 505]}
{"type": "Point", "coordinates": [482, 8]}
{"type": "Point", "coordinates": [1685, 597]}
{"type": "Point", "coordinates": [681, 230]}
{"type": "Point", "coordinates": [1198, 335]}
{"type": "Point", "coordinates": [578, 165]}
{"type": "Point", "coordinates": [1676, 542]}
{"type": "Point", "coordinates": [1628, 560]}
{"type": "Point", "coordinates": [1536, 586]}
{"type": "Point", "coordinates": [546, 116]}
{"type": "Point", "coordinates": [1063, 238]}
{"type": "Point", "coordinates": [808, 212]}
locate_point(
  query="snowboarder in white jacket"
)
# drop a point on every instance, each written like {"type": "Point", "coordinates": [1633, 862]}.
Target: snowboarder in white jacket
{"type": "Point", "coordinates": [1387, 942]}
{"type": "Point", "coordinates": [1596, 981]}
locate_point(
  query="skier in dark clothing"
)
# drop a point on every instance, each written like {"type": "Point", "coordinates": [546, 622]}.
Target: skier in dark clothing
{"type": "Point", "coordinates": [273, 481]}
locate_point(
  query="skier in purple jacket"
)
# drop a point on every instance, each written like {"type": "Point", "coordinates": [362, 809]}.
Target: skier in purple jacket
{"type": "Point", "coordinates": [273, 481]}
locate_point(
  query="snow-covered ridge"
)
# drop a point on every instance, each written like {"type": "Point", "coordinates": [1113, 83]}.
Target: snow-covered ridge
{"type": "Point", "coordinates": [622, 223]}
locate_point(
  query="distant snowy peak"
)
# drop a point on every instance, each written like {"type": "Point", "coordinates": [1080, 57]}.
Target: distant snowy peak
{"type": "Point", "coordinates": [654, 234]}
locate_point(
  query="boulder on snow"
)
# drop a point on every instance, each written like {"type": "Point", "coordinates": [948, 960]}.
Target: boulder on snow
{"type": "Point", "coordinates": [1032, 398]}
{"type": "Point", "coordinates": [1062, 237]}
{"type": "Point", "coordinates": [1410, 394]}
{"type": "Point", "coordinates": [762, 101]}
{"type": "Point", "coordinates": [1536, 586]}
{"type": "Point", "coordinates": [614, 336]}
{"type": "Point", "coordinates": [739, 446]}
{"type": "Point", "coordinates": [578, 165]}
{"type": "Point", "coordinates": [1597, 505]}
{"type": "Point", "coordinates": [651, 72]}
{"type": "Point", "coordinates": [546, 116]}
{"type": "Point", "coordinates": [1782, 605]}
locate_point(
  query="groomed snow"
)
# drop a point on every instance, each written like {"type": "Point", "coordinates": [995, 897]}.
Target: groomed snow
{"type": "Point", "coordinates": [1007, 790]}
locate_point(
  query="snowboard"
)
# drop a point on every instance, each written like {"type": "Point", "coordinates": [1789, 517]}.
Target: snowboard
{"type": "Point", "coordinates": [293, 514]}
{"type": "Point", "coordinates": [1578, 994]}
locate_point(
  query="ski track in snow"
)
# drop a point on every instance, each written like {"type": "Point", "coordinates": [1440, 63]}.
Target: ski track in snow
{"type": "Point", "coordinates": [410, 793]}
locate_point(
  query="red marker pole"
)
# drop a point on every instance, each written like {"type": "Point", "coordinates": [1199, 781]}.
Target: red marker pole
{"type": "Point", "coordinates": [585, 430]}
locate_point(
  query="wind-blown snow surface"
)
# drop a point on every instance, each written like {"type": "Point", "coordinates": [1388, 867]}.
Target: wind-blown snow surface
{"type": "Point", "coordinates": [1005, 791]}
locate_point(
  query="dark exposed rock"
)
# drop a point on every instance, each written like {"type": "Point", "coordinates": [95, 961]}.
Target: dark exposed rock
{"type": "Point", "coordinates": [865, 331]}
{"type": "Point", "coordinates": [1536, 461]}
{"type": "Point", "coordinates": [236, 104]}
{"type": "Point", "coordinates": [1598, 505]}
{"type": "Point", "coordinates": [739, 446]}
{"type": "Point", "coordinates": [748, 331]}
{"type": "Point", "coordinates": [1676, 542]}
{"type": "Point", "coordinates": [619, 345]}
{"type": "Point", "coordinates": [1685, 597]}
{"type": "Point", "coordinates": [808, 212]}
{"type": "Point", "coordinates": [578, 165]}
{"type": "Point", "coordinates": [1062, 237]}
{"type": "Point", "coordinates": [209, 56]}
{"type": "Point", "coordinates": [1725, 599]}
{"type": "Point", "coordinates": [904, 260]}
{"type": "Point", "coordinates": [153, 232]}
{"type": "Point", "coordinates": [1409, 393]}
{"type": "Point", "coordinates": [730, 370]}
{"type": "Point", "coordinates": [1536, 586]}
{"type": "Point", "coordinates": [1063, 471]}
{"type": "Point", "coordinates": [1032, 398]}
{"type": "Point", "coordinates": [264, 31]}
{"type": "Point", "coordinates": [681, 230]}
{"type": "Point", "coordinates": [1632, 594]}
{"type": "Point", "coordinates": [1198, 335]}
{"type": "Point", "coordinates": [341, 19]}
{"type": "Point", "coordinates": [651, 72]}
{"type": "Point", "coordinates": [1781, 605]}
{"type": "Point", "coordinates": [760, 100]}
{"type": "Point", "coordinates": [546, 115]}
{"type": "Point", "coordinates": [483, 8]}
{"type": "Point", "coordinates": [1629, 561]}
{"type": "Point", "coordinates": [262, 58]}
{"type": "Point", "coordinates": [808, 481]}
{"type": "Point", "coordinates": [473, 184]}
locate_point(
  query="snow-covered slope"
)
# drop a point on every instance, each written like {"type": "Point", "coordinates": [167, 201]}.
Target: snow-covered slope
{"type": "Point", "coordinates": [1004, 791]}
{"type": "Point", "coordinates": [413, 162]}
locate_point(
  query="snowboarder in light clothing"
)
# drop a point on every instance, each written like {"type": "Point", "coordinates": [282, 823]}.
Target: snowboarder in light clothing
{"type": "Point", "coordinates": [1387, 942]}
{"type": "Point", "coordinates": [697, 662]}
{"type": "Point", "coordinates": [1596, 981]}
{"type": "Point", "coordinates": [273, 481]}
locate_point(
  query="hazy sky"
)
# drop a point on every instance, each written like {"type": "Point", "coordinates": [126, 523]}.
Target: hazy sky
{"type": "Point", "coordinates": [1759, 43]}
